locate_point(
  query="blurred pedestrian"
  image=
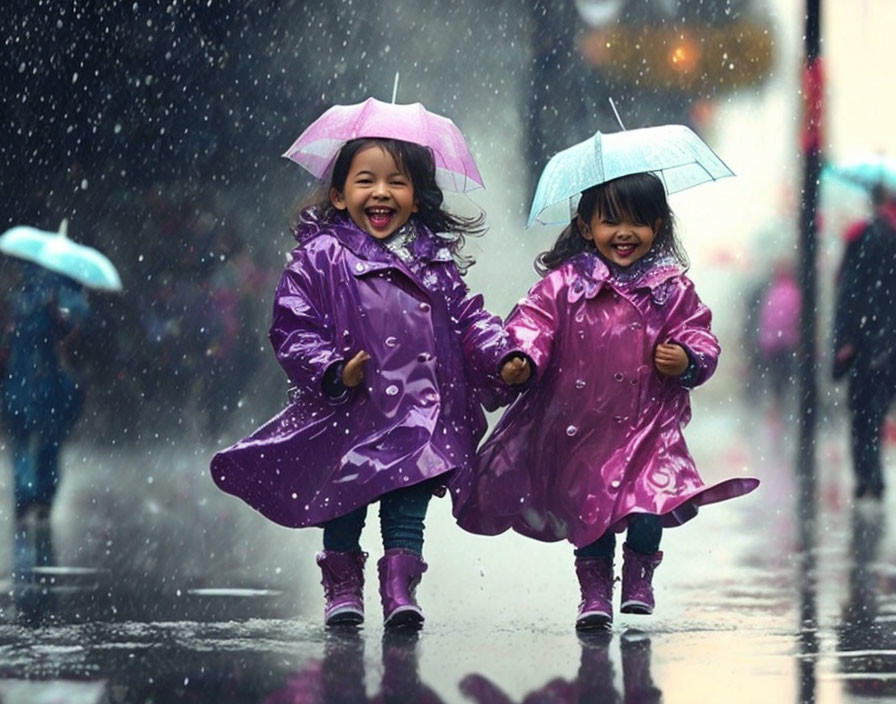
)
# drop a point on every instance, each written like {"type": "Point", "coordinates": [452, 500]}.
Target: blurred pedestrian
{"type": "Point", "coordinates": [390, 356]}
{"type": "Point", "coordinates": [778, 330]}
{"type": "Point", "coordinates": [865, 336]}
{"type": "Point", "coordinates": [618, 337]}
{"type": "Point", "coordinates": [42, 394]}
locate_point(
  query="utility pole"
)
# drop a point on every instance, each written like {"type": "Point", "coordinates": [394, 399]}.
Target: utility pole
{"type": "Point", "coordinates": [813, 90]}
{"type": "Point", "coordinates": [813, 93]}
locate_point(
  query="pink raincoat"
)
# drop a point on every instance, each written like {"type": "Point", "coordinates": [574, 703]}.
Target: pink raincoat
{"type": "Point", "coordinates": [779, 317]}
{"type": "Point", "coordinates": [598, 436]}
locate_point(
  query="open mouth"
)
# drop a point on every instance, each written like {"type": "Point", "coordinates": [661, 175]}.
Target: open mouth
{"type": "Point", "coordinates": [380, 217]}
{"type": "Point", "coordinates": [626, 249]}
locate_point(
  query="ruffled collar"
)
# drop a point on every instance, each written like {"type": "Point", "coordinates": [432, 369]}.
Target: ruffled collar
{"type": "Point", "coordinates": [413, 242]}
{"type": "Point", "coordinates": [650, 272]}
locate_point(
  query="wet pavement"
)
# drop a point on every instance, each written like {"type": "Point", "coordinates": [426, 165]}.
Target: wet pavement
{"type": "Point", "coordinates": [148, 585]}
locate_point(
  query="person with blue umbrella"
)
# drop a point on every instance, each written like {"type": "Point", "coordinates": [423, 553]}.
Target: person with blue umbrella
{"type": "Point", "coordinates": [865, 335]}
{"type": "Point", "coordinates": [41, 394]}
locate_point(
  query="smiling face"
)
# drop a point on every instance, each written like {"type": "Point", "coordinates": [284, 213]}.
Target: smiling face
{"type": "Point", "coordinates": [378, 195]}
{"type": "Point", "coordinates": [620, 239]}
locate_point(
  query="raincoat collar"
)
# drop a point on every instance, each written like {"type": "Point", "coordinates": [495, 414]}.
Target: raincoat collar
{"type": "Point", "coordinates": [424, 247]}
{"type": "Point", "coordinates": [652, 270]}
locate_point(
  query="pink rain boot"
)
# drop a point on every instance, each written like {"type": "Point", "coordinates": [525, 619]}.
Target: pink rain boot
{"type": "Point", "coordinates": [343, 581]}
{"type": "Point", "coordinates": [596, 583]}
{"type": "Point", "coordinates": [637, 577]}
{"type": "Point", "coordinates": [400, 572]}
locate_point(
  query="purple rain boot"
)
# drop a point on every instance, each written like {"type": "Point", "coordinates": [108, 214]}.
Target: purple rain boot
{"type": "Point", "coordinates": [400, 572]}
{"type": "Point", "coordinates": [637, 577]}
{"type": "Point", "coordinates": [343, 581]}
{"type": "Point", "coordinates": [596, 584]}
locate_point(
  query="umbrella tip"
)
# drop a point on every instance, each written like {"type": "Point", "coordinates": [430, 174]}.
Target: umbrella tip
{"type": "Point", "coordinates": [395, 88]}
{"type": "Point", "coordinates": [63, 227]}
{"type": "Point", "coordinates": [616, 113]}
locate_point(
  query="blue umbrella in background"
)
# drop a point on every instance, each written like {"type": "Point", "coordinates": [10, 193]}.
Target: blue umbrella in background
{"type": "Point", "coordinates": [56, 252]}
{"type": "Point", "coordinates": [673, 152]}
{"type": "Point", "coordinates": [866, 171]}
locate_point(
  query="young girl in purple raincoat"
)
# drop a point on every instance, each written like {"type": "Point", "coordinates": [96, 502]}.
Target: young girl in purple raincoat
{"type": "Point", "coordinates": [616, 336]}
{"type": "Point", "coordinates": [391, 358]}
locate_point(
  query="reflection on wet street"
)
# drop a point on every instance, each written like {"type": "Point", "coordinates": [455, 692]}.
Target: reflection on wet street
{"type": "Point", "coordinates": [173, 593]}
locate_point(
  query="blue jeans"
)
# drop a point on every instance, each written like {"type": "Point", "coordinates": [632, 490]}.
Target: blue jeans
{"type": "Point", "coordinates": [643, 536]}
{"type": "Point", "coordinates": [401, 521]}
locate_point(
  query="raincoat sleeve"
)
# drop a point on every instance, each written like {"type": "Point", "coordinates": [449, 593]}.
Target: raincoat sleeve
{"type": "Point", "coordinates": [852, 291]}
{"type": "Point", "coordinates": [689, 324]}
{"type": "Point", "coordinates": [300, 332]}
{"type": "Point", "coordinates": [533, 323]}
{"type": "Point", "coordinates": [485, 343]}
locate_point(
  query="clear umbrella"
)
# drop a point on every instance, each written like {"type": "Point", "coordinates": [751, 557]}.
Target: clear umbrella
{"type": "Point", "coordinates": [673, 152]}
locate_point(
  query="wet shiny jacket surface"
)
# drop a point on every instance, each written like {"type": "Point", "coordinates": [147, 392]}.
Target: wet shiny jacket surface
{"type": "Point", "coordinates": [598, 436]}
{"type": "Point", "coordinates": [435, 356]}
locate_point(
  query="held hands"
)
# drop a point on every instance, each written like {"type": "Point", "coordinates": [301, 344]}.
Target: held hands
{"type": "Point", "coordinates": [516, 371]}
{"type": "Point", "coordinates": [353, 371]}
{"type": "Point", "coordinates": [670, 359]}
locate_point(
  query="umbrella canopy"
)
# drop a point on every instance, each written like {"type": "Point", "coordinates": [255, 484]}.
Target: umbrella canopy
{"type": "Point", "coordinates": [867, 171]}
{"type": "Point", "coordinates": [673, 152]}
{"type": "Point", "coordinates": [317, 147]}
{"type": "Point", "coordinates": [56, 252]}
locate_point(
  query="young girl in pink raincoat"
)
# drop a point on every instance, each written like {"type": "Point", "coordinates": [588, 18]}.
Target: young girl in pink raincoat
{"type": "Point", "coordinates": [391, 358]}
{"type": "Point", "coordinates": [615, 337]}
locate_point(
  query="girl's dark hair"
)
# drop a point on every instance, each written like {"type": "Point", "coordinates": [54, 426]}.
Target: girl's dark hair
{"type": "Point", "coordinates": [418, 163]}
{"type": "Point", "coordinates": [640, 197]}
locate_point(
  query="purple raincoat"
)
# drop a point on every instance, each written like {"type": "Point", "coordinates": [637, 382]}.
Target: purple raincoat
{"type": "Point", "coordinates": [598, 436]}
{"type": "Point", "coordinates": [435, 355]}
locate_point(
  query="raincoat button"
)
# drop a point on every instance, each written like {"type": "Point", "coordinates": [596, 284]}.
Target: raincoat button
{"type": "Point", "coordinates": [359, 267]}
{"type": "Point", "coordinates": [619, 376]}
{"type": "Point", "coordinates": [633, 382]}
{"type": "Point", "coordinates": [615, 483]}
{"type": "Point", "coordinates": [425, 307]}
{"type": "Point", "coordinates": [424, 357]}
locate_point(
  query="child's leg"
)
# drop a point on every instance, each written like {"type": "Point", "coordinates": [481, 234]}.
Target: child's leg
{"type": "Point", "coordinates": [641, 556]}
{"type": "Point", "coordinates": [644, 534]}
{"type": "Point", "coordinates": [342, 568]}
{"type": "Point", "coordinates": [594, 570]}
{"type": "Point", "coordinates": [343, 534]}
{"type": "Point", "coordinates": [604, 546]}
{"type": "Point", "coordinates": [401, 517]}
{"type": "Point", "coordinates": [401, 568]}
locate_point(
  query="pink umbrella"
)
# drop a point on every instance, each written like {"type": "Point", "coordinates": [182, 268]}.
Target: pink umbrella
{"type": "Point", "coordinates": [317, 146]}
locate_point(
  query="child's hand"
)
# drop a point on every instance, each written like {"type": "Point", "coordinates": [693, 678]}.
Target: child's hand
{"type": "Point", "coordinates": [353, 371]}
{"type": "Point", "coordinates": [516, 371]}
{"type": "Point", "coordinates": [671, 359]}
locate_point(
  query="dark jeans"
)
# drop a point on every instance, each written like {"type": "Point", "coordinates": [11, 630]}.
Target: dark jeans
{"type": "Point", "coordinates": [643, 536]}
{"type": "Point", "coordinates": [870, 395]}
{"type": "Point", "coordinates": [401, 521]}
